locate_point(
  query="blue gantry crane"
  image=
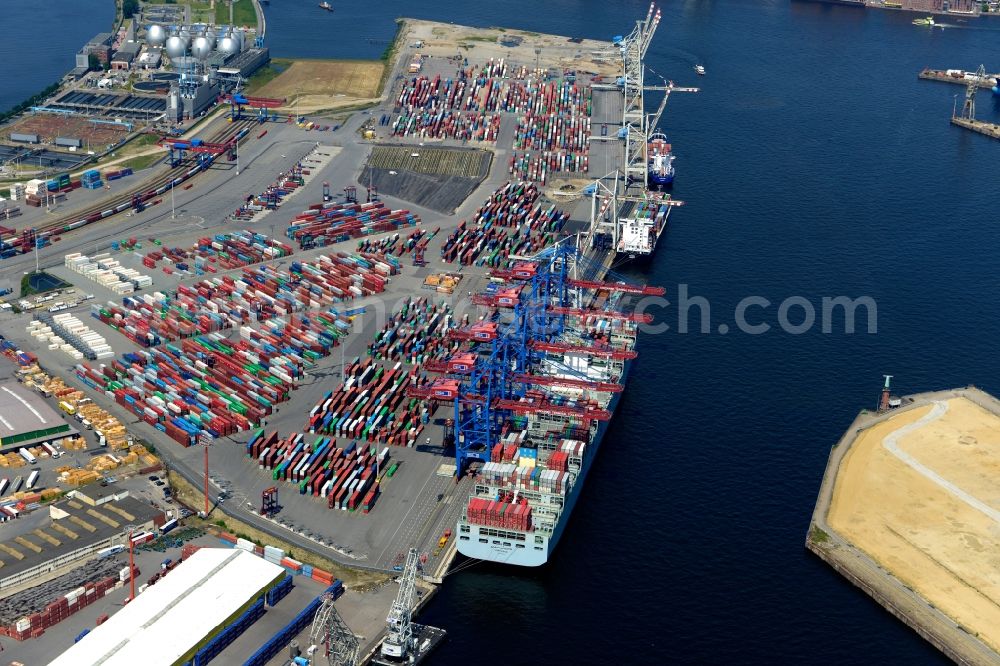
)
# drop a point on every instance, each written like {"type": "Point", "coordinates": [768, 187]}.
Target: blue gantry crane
{"type": "Point", "coordinates": [494, 380]}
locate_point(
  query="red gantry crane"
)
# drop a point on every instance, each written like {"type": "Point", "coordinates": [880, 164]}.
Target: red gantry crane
{"type": "Point", "coordinates": [590, 350]}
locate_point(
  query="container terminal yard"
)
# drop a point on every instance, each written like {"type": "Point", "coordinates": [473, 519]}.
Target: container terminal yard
{"type": "Point", "coordinates": [906, 513]}
{"type": "Point", "coordinates": [288, 318]}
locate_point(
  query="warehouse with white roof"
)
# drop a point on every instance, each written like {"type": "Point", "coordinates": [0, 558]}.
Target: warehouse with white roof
{"type": "Point", "coordinates": [26, 419]}
{"type": "Point", "coordinates": [171, 620]}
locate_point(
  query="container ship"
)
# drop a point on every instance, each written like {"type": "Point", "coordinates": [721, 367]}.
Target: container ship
{"type": "Point", "coordinates": [571, 364]}
{"type": "Point", "coordinates": [642, 224]}
{"type": "Point", "coordinates": [661, 161]}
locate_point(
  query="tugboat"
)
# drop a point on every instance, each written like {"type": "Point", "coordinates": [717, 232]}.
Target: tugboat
{"type": "Point", "coordinates": [326, 5]}
{"type": "Point", "coordinates": [700, 70]}
{"type": "Point", "coordinates": [661, 161]}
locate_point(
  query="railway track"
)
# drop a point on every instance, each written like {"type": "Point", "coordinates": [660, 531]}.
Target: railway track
{"type": "Point", "coordinates": [141, 193]}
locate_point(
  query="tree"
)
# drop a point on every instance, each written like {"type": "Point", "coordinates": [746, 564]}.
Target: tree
{"type": "Point", "coordinates": [93, 62]}
{"type": "Point", "coordinates": [130, 8]}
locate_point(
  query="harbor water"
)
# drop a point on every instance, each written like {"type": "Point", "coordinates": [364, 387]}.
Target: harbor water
{"type": "Point", "coordinates": [814, 164]}
{"type": "Point", "coordinates": [40, 41]}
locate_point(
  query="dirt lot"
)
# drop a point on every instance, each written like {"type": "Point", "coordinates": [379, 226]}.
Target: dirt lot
{"type": "Point", "coordinates": [918, 494]}
{"type": "Point", "coordinates": [321, 84]}
{"type": "Point", "coordinates": [480, 44]}
{"type": "Point", "coordinates": [48, 127]}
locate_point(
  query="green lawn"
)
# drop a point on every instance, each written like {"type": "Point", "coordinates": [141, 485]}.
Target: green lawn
{"type": "Point", "coordinates": [243, 13]}
{"type": "Point", "coordinates": [266, 74]}
{"type": "Point", "coordinates": [141, 162]}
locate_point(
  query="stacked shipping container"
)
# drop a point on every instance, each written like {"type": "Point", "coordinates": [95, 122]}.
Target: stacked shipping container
{"type": "Point", "coordinates": [346, 477]}
{"type": "Point", "coordinates": [327, 223]}
{"type": "Point", "coordinates": [211, 386]}
{"type": "Point", "coordinates": [62, 606]}
{"type": "Point", "coordinates": [260, 293]}
{"type": "Point", "coordinates": [505, 513]}
{"type": "Point", "coordinates": [512, 206]}
{"type": "Point", "coordinates": [227, 251]}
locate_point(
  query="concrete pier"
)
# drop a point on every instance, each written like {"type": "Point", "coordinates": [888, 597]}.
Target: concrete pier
{"type": "Point", "coordinates": [944, 77]}
{"type": "Point", "coordinates": [991, 130]}
{"type": "Point", "coordinates": [898, 516]}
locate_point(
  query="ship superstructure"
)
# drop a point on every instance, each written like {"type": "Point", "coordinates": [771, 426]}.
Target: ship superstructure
{"type": "Point", "coordinates": [533, 394]}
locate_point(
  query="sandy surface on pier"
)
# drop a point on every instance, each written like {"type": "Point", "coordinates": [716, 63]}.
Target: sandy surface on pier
{"type": "Point", "coordinates": [480, 44]}
{"type": "Point", "coordinates": [924, 504]}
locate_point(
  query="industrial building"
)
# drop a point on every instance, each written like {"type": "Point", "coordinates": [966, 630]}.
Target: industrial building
{"type": "Point", "coordinates": [100, 46]}
{"type": "Point", "coordinates": [26, 419]}
{"type": "Point", "coordinates": [125, 55]}
{"type": "Point", "coordinates": [170, 621]}
{"type": "Point", "coordinates": [40, 542]}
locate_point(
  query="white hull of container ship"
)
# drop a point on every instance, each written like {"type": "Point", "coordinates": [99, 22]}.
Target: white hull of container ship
{"type": "Point", "coordinates": [530, 549]}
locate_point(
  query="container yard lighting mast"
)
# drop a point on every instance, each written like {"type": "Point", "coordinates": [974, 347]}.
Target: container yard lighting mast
{"type": "Point", "coordinates": [399, 639]}
{"type": "Point", "coordinates": [128, 531]}
{"type": "Point", "coordinates": [612, 202]}
{"type": "Point", "coordinates": [329, 629]}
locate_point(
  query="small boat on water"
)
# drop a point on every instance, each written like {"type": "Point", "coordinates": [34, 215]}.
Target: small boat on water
{"type": "Point", "coordinates": [700, 69]}
{"type": "Point", "coordinates": [326, 5]}
{"type": "Point", "coordinates": [929, 21]}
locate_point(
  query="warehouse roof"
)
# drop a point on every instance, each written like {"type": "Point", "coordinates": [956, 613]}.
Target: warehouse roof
{"type": "Point", "coordinates": [22, 411]}
{"type": "Point", "coordinates": [80, 528]}
{"type": "Point", "coordinates": [168, 620]}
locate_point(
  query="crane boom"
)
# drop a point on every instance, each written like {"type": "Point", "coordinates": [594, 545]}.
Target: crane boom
{"type": "Point", "coordinates": [620, 354]}
{"type": "Point", "coordinates": [618, 286]}
{"type": "Point", "coordinates": [542, 380]}
{"type": "Point", "coordinates": [610, 315]}
{"type": "Point", "coordinates": [519, 407]}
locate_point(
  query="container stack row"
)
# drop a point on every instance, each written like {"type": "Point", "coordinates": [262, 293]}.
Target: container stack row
{"type": "Point", "coordinates": [62, 606]}
{"type": "Point", "coordinates": [396, 245]}
{"type": "Point", "coordinates": [422, 92]}
{"type": "Point", "coordinates": [527, 477]}
{"type": "Point", "coordinates": [327, 223]}
{"type": "Point", "coordinates": [498, 513]}
{"type": "Point", "coordinates": [415, 333]}
{"type": "Point", "coordinates": [224, 638]}
{"type": "Point", "coordinates": [534, 97]}
{"type": "Point", "coordinates": [445, 124]}
{"type": "Point", "coordinates": [348, 478]}
{"type": "Point", "coordinates": [209, 386]}
{"type": "Point", "coordinates": [260, 293]}
{"type": "Point", "coordinates": [372, 405]}
{"type": "Point", "coordinates": [227, 251]}
{"type": "Point", "coordinates": [117, 174]}
{"type": "Point", "coordinates": [60, 183]}
{"type": "Point", "coordinates": [66, 333]}
{"type": "Point", "coordinates": [486, 241]}
{"type": "Point", "coordinates": [279, 591]}
{"type": "Point", "coordinates": [108, 272]}
{"type": "Point", "coordinates": [537, 166]}
{"type": "Point", "coordinates": [91, 179]}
